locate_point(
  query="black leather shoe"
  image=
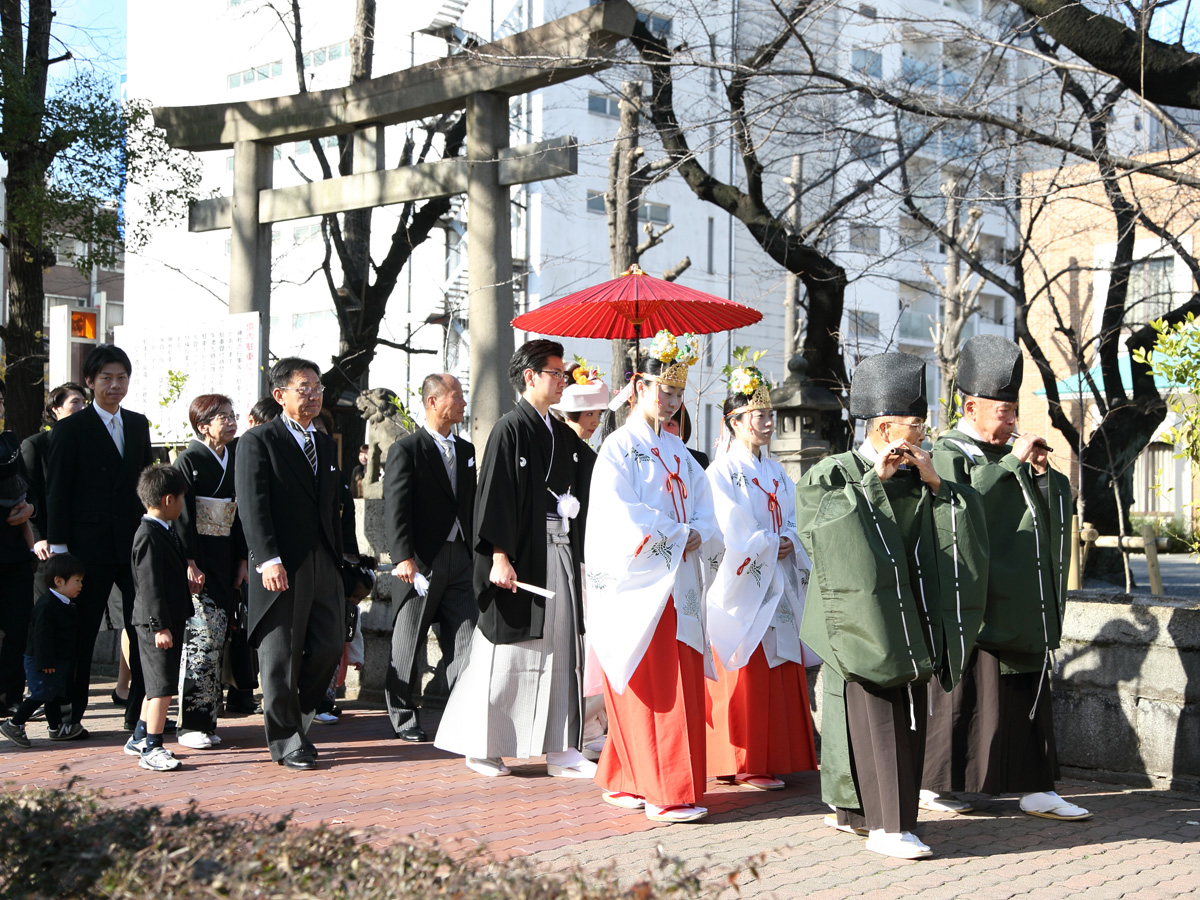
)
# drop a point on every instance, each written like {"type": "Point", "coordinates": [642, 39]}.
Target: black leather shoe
{"type": "Point", "coordinates": [300, 759]}
{"type": "Point", "coordinates": [118, 700]}
{"type": "Point", "coordinates": [414, 734]}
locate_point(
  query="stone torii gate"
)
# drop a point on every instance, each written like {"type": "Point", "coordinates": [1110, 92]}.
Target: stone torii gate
{"type": "Point", "coordinates": [481, 80]}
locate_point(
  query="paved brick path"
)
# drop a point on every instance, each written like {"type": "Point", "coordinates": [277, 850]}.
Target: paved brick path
{"type": "Point", "coordinates": [1140, 844]}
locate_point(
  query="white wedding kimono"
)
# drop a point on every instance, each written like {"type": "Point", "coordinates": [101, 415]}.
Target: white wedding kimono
{"type": "Point", "coordinates": [647, 494]}
{"type": "Point", "coordinates": [755, 597]}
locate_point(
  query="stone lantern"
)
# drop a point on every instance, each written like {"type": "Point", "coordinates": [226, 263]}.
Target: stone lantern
{"type": "Point", "coordinates": [799, 406]}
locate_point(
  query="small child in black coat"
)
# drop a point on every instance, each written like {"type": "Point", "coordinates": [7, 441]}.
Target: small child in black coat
{"type": "Point", "coordinates": [50, 651]}
{"type": "Point", "coordinates": [161, 607]}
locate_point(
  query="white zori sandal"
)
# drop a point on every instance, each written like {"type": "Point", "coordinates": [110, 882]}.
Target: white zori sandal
{"type": "Point", "coordinates": [623, 799]}
{"type": "Point", "coordinates": [682, 812]}
{"type": "Point", "coordinates": [1048, 805]}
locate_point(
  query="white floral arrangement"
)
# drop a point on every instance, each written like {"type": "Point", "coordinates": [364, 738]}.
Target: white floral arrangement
{"type": "Point", "coordinates": [664, 347]}
{"type": "Point", "coordinates": [746, 380]}
{"type": "Point", "coordinates": [687, 349]}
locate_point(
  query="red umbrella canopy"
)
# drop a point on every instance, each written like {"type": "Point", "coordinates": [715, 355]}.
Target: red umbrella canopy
{"type": "Point", "coordinates": [638, 301]}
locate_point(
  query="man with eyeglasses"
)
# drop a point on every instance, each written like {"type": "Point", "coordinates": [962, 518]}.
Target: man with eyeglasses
{"type": "Point", "coordinates": [93, 513]}
{"type": "Point", "coordinates": [287, 490]}
{"type": "Point", "coordinates": [994, 734]}
{"type": "Point", "coordinates": [898, 555]}
{"type": "Point", "coordinates": [521, 694]}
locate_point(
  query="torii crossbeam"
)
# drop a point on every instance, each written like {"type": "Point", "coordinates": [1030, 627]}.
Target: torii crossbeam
{"type": "Point", "coordinates": [481, 81]}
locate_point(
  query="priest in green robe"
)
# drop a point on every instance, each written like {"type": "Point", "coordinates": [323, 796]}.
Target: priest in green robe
{"type": "Point", "coordinates": [994, 734]}
{"type": "Point", "coordinates": [894, 600]}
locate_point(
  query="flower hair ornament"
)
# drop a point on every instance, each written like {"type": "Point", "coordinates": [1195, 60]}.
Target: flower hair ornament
{"type": "Point", "coordinates": [749, 381]}
{"type": "Point", "coordinates": [585, 374]}
{"type": "Point", "coordinates": [677, 353]}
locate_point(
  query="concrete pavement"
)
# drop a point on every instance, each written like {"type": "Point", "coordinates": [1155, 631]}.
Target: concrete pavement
{"type": "Point", "coordinates": [1140, 843]}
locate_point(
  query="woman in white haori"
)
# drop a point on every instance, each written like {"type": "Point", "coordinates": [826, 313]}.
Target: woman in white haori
{"type": "Point", "coordinates": [759, 724]}
{"type": "Point", "coordinates": [651, 537]}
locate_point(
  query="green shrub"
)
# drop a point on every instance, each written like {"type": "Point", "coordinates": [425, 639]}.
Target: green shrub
{"type": "Point", "coordinates": [67, 843]}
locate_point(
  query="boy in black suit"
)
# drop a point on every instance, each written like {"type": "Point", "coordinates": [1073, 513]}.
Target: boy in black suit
{"type": "Point", "coordinates": [50, 652]}
{"type": "Point", "coordinates": [161, 606]}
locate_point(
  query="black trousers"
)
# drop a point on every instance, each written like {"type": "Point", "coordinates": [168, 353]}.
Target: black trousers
{"type": "Point", "coordinates": [981, 738]}
{"type": "Point", "coordinates": [887, 748]}
{"type": "Point", "coordinates": [451, 603]}
{"type": "Point", "coordinates": [299, 641]}
{"type": "Point", "coordinates": [16, 607]}
{"type": "Point", "coordinates": [92, 602]}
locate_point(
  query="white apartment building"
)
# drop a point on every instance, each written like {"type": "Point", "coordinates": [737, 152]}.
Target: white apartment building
{"type": "Point", "coordinates": [220, 50]}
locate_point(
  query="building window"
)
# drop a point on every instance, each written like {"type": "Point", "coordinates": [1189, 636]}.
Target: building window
{"type": "Point", "coordinates": [867, 62]}
{"type": "Point", "coordinates": [329, 53]}
{"type": "Point", "coordinates": [1150, 294]}
{"type": "Point", "coordinates": [306, 233]}
{"type": "Point", "coordinates": [862, 325]}
{"type": "Point", "coordinates": [660, 26]}
{"type": "Point", "coordinates": [657, 213]}
{"type": "Point", "coordinates": [329, 141]}
{"type": "Point", "coordinates": [864, 238]}
{"type": "Point", "coordinates": [264, 72]}
{"type": "Point", "coordinates": [604, 105]}
{"type": "Point", "coordinates": [711, 245]}
{"type": "Point", "coordinates": [595, 202]}
{"type": "Point", "coordinates": [866, 148]}
{"type": "Point", "coordinates": [314, 320]}
{"type": "Point", "coordinates": [229, 163]}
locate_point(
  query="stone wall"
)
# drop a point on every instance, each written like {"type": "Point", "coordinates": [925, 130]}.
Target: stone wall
{"type": "Point", "coordinates": [1125, 698]}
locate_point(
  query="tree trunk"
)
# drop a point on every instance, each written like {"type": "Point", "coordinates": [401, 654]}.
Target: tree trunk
{"type": "Point", "coordinates": [28, 159]}
{"type": "Point", "coordinates": [24, 348]}
{"type": "Point", "coordinates": [356, 260]}
{"type": "Point", "coordinates": [621, 202]}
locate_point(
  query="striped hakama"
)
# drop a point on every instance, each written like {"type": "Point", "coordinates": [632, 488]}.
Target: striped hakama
{"type": "Point", "coordinates": [525, 699]}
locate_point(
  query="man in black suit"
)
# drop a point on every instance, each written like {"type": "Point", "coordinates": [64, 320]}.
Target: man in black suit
{"type": "Point", "coordinates": [287, 490]}
{"type": "Point", "coordinates": [93, 512]}
{"type": "Point", "coordinates": [429, 507]}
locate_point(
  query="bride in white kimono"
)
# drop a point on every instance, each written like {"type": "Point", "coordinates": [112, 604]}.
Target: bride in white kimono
{"type": "Point", "coordinates": [759, 724]}
{"type": "Point", "coordinates": [651, 539]}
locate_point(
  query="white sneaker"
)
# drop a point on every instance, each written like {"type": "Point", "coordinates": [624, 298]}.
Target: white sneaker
{"type": "Point", "coordinates": [901, 845]}
{"type": "Point", "coordinates": [1048, 805]}
{"type": "Point", "coordinates": [135, 748]}
{"type": "Point", "coordinates": [196, 740]}
{"type": "Point", "coordinates": [158, 759]}
{"type": "Point", "coordinates": [935, 802]}
{"type": "Point", "coordinates": [492, 767]}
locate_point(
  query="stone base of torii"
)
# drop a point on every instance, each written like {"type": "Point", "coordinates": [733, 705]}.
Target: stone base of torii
{"type": "Point", "coordinates": [480, 80]}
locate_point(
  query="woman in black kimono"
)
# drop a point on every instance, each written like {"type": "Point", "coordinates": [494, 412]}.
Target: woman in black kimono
{"type": "Point", "coordinates": [216, 553]}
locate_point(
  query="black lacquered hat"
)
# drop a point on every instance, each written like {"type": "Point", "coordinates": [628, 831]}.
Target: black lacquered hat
{"type": "Point", "coordinates": [990, 366]}
{"type": "Point", "coordinates": [889, 384]}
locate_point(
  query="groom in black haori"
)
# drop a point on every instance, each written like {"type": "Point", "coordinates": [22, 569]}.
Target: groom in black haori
{"type": "Point", "coordinates": [994, 734]}
{"type": "Point", "coordinates": [894, 600]}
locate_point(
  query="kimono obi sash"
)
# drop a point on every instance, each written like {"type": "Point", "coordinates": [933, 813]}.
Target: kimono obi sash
{"type": "Point", "coordinates": [214, 517]}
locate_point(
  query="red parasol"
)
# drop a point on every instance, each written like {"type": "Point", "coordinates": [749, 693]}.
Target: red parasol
{"type": "Point", "coordinates": [634, 305]}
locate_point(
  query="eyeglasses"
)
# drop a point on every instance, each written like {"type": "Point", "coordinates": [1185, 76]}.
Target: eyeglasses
{"type": "Point", "coordinates": [308, 390]}
{"type": "Point", "coordinates": [557, 374]}
{"type": "Point", "coordinates": [922, 427]}
{"type": "Point", "coordinates": [223, 417]}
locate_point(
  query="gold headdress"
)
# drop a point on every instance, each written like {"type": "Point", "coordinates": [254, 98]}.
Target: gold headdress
{"type": "Point", "coordinates": [677, 354]}
{"type": "Point", "coordinates": [750, 381]}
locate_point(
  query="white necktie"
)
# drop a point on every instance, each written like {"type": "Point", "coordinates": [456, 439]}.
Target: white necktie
{"type": "Point", "coordinates": [117, 432]}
